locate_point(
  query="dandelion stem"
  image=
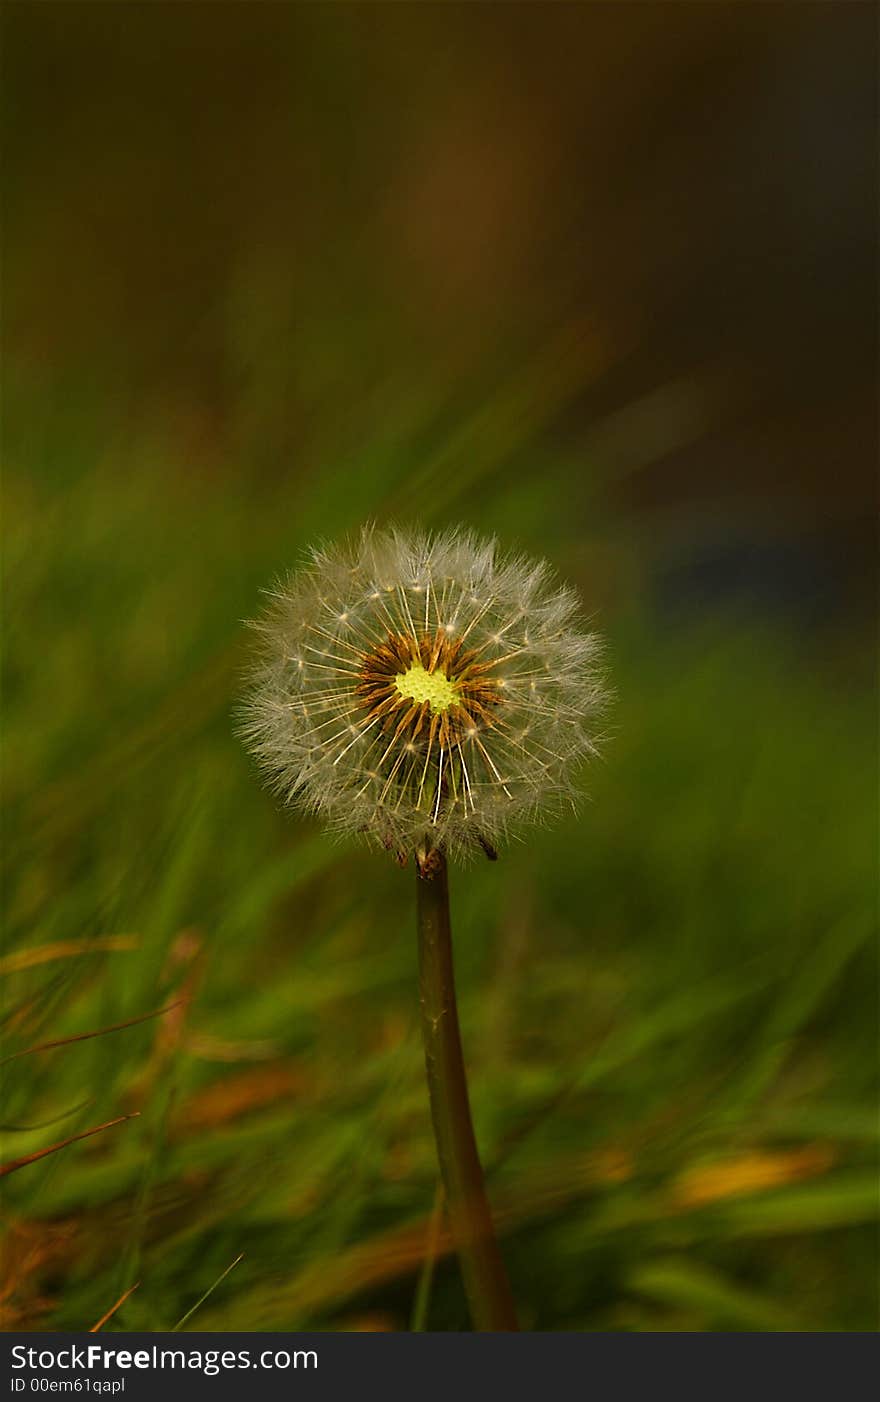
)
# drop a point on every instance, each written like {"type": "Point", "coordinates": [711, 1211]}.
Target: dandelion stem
{"type": "Point", "coordinates": [485, 1279]}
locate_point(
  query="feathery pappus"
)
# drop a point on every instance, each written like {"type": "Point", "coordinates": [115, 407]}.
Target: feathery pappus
{"type": "Point", "coordinates": [425, 690]}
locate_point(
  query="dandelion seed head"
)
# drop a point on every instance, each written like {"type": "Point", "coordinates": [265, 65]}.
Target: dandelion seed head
{"type": "Point", "coordinates": [425, 690]}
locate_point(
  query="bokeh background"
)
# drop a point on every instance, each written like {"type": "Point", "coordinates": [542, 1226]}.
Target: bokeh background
{"type": "Point", "coordinates": [596, 278]}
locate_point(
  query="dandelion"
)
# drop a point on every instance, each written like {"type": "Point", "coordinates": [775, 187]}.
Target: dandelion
{"type": "Point", "coordinates": [436, 697]}
{"type": "Point", "coordinates": [422, 691]}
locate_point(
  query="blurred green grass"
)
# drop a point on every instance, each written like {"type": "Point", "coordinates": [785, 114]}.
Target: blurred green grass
{"type": "Point", "coordinates": [668, 1002]}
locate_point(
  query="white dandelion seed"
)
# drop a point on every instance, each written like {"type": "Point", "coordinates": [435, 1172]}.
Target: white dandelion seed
{"type": "Point", "coordinates": [424, 690]}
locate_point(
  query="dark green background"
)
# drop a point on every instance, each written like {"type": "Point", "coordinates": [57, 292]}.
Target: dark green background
{"type": "Point", "coordinates": [598, 279]}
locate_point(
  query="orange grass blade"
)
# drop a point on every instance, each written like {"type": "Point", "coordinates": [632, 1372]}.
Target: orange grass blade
{"type": "Point", "coordinates": [113, 1308]}
{"type": "Point", "coordinates": [84, 1036]}
{"type": "Point", "coordinates": [62, 1144]}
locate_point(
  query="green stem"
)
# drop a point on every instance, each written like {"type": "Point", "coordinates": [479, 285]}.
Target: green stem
{"type": "Point", "coordinates": [485, 1279]}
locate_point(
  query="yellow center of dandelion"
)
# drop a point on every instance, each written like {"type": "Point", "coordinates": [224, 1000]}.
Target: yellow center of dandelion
{"type": "Point", "coordinates": [418, 685]}
{"type": "Point", "coordinates": [428, 690]}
